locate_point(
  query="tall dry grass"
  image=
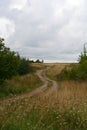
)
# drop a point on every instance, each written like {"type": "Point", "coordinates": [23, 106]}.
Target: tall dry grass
{"type": "Point", "coordinates": [55, 69]}
{"type": "Point", "coordinates": [65, 109]}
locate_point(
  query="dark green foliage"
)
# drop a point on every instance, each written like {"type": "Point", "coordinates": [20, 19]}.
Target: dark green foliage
{"type": "Point", "coordinates": [83, 56]}
{"type": "Point", "coordinates": [82, 70]}
{"type": "Point", "coordinates": [76, 71]}
{"type": "Point", "coordinates": [24, 67]}
{"type": "Point", "coordinates": [38, 61]}
{"type": "Point", "coordinates": [11, 63]}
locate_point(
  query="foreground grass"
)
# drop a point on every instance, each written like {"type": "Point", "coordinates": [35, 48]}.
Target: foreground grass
{"type": "Point", "coordinates": [65, 109]}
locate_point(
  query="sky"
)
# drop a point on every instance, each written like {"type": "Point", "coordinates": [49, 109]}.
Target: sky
{"type": "Point", "coordinates": [52, 30]}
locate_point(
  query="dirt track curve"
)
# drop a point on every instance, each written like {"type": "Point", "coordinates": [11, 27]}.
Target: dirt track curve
{"type": "Point", "coordinates": [53, 84]}
{"type": "Point", "coordinates": [46, 82]}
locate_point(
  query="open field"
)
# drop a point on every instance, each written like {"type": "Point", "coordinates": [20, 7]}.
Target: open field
{"type": "Point", "coordinates": [62, 109]}
{"type": "Point", "coordinates": [55, 69]}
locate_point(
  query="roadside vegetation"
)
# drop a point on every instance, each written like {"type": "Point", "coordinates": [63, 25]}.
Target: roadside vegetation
{"type": "Point", "coordinates": [63, 109]}
{"type": "Point", "coordinates": [19, 85]}
{"type": "Point", "coordinates": [12, 64]}
{"type": "Point", "coordinates": [16, 73]}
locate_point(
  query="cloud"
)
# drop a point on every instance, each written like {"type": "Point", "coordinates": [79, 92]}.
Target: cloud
{"type": "Point", "coordinates": [7, 27]}
{"type": "Point", "coordinates": [49, 29]}
{"type": "Point", "coordinates": [18, 4]}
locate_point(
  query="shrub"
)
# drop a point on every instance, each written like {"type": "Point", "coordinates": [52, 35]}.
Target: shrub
{"type": "Point", "coordinates": [76, 72]}
{"type": "Point", "coordinates": [24, 67]}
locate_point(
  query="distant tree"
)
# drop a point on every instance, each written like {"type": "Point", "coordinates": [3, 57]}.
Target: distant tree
{"type": "Point", "coordinates": [38, 61]}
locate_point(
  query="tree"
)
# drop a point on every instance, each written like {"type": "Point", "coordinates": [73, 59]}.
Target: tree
{"type": "Point", "coordinates": [9, 62]}
{"type": "Point", "coordinates": [24, 67]}
{"type": "Point", "coordinates": [83, 56]}
{"type": "Point", "coordinates": [82, 68]}
{"type": "Point", "coordinates": [38, 61]}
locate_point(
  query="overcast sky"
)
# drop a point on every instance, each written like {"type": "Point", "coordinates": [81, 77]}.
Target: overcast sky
{"type": "Point", "coordinates": [52, 30]}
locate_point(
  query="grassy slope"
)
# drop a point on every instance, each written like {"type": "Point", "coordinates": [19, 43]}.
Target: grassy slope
{"type": "Point", "coordinates": [21, 84]}
{"type": "Point", "coordinates": [64, 110]}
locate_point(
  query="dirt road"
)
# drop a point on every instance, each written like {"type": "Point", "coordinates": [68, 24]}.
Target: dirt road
{"type": "Point", "coordinates": [48, 86]}
{"type": "Point", "coordinates": [53, 84]}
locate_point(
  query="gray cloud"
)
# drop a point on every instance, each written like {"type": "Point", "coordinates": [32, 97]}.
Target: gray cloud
{"type": "Point", "coordinates": [52, 30]}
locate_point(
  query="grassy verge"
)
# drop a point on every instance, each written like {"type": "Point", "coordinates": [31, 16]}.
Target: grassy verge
{"type": "Point", "coordinates": [20, 85]}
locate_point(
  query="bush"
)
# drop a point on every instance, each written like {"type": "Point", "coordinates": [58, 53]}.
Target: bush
{"type": "Point", "coordinates": [24, 67]}
{"type": "Point", "coordinates": [76, 72]}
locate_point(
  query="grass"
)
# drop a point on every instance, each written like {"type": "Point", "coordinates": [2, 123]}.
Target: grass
{"type": "Point", "coordinates": [55, 69]}
{"type": "Point", "coordinates": [22, 84]}
{"type": "Point", "coordinates": [65, 109]}
{"type": "Point", "coordinates": [38, 66]}
{"type": "Point", "coordinates": [19, 85]}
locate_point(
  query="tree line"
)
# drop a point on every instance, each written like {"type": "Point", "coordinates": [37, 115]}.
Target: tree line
{"type": "Point", "coordinates": [11, 63]}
